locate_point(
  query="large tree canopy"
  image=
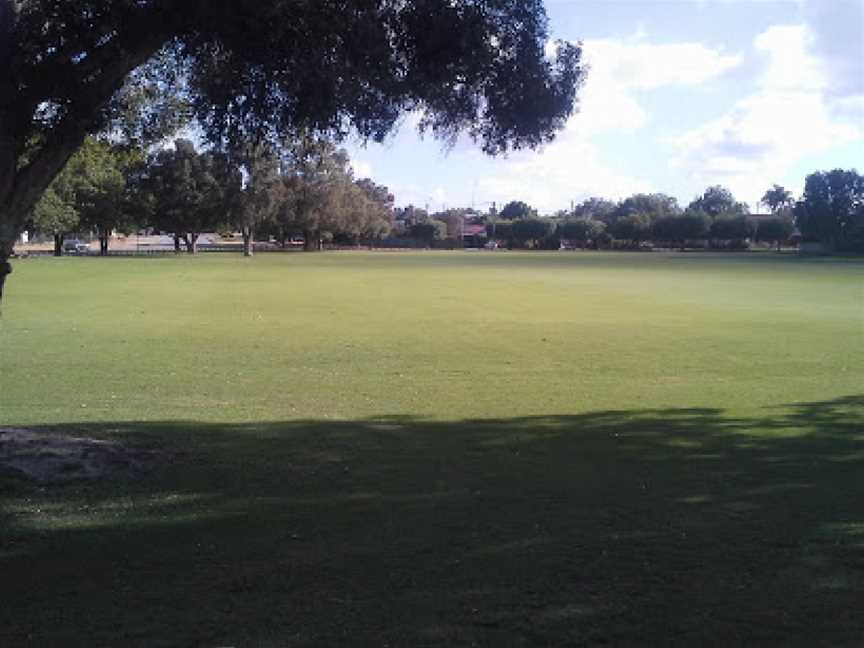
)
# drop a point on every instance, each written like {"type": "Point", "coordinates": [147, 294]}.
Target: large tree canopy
{"type": "Point", "coordinates": [271, 67]}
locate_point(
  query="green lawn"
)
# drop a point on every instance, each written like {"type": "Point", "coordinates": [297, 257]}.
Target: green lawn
{"type": "Point", "coordinates": [441, 449]}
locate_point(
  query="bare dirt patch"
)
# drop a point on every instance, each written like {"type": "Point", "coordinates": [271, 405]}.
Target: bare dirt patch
{"type": "Point", "coordinates": [53, 458]}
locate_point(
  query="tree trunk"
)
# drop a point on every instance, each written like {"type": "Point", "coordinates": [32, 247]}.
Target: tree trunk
{"type": "Point", "coordinates": [5, 266]}
{"type": "Point", "coordinates": [176, 244]}
{"type": "Point", "coordinates": [58, 245]}
{"type": "Point", "coordinates": [103, 243]}
{"type": "Point", "coordinates": [248, 245]}
{"type": "Point", "coordinates": [308, 241]}
{"type": "Point", "coordinates": [191, 241]}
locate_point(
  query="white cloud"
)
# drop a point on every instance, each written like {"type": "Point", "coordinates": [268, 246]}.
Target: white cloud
{"type": "Point", "coordinates": [764, 135]}
{"type": "Point", "coordinates": [621, 68]}
{"type": "Point", "coordinates": [572, 168]}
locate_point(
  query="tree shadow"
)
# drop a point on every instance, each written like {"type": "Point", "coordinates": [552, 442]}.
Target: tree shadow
{"type": "Point", "coordinates": [607, 527]}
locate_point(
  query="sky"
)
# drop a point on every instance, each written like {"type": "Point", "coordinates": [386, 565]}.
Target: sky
{"type": "Point", "coordinates": [680, 95]}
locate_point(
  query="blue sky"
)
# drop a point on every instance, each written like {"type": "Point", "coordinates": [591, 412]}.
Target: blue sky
{"type": "Point", "coordinates": [681, 94]}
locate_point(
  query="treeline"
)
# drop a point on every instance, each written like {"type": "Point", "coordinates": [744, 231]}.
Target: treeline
{"type": "Point", "coordinates": [306, 188]}
{"type": "Point", "coordinates": [303, 188]}
{"type": "Point", "coordinates": [830, 212]}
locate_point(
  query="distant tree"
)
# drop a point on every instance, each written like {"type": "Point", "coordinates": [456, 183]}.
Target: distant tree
{"type": "Point", "coordinates": [692, 225]}
{"type": "Point", "coordinates": [775, 230]}
{"type": "Point", "coordinates": [55, 215]}
{"type": "Point", "coordinates": [517, 210]}
{"type": "Point", "coordinates": [429, 232]}
{"type": "Point", "coordinates": [647, 207]}
{"type": "Point", "coordinates": [634, 228]}
{"type": "Point", "coordinates": [595, 208]}
{"type": "Point", "coordinates": [258, 201]}
{"type": "Point", "coordinates": [778, 199]}
{"type": "Point", "coordinates": [500, 230]}
{"type": "Point", "coordinates": [410, 215]}
{"type": "Point", "coordinates": [316, 174]}
{"type": "Point", "coordinates": [185, 193]}
{"type": "Point", "coordinates": [831, 210]}
{"type": "Point", "coordinates": [583, 230]}
{"type": "Point", "coordinates": [732, 228]}
{"type": "Point", "coordinates": [270, 67]}
{"type": "Point", "coordinates": [56, 212]}
{"type": "Point", "coordinates": [531, 230]}
{"type": "Point", "coordinates": [367, 211]}
{"type": "Point", "coordinates": [98, 172]}
{"type": "Point", "coordinates": [718, 202]}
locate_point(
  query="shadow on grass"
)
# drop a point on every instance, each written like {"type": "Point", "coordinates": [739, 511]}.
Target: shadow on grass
{"type": "Point", "coordinates": [681, 525]}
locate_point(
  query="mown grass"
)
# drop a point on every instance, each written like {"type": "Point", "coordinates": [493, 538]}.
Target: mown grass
{"type": "Point", "coordinates": [457, 449]}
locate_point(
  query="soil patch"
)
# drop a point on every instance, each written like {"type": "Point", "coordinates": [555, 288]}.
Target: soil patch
{"type": "Point", "coordinates": [53, 458]}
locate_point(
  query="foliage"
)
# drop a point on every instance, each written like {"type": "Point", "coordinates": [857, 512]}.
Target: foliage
{"type": "Point", "coordinates": [718, 202]}
{"type": "Point", "coordinates": [635, 227]}
{"type": "Point", "coordinates": [500, 230]}
{"type": "Point", "coordinates": [778, 198]}
{"type": "Point", "coordinates": [692, 225]}
{"type": "Point", "coordinates": [410, 215]}
{"type": "Point", "coordinates": [367, 208]}
{"type": "Point", "coordinates": [430, 231]}
{"type": "Point", "coordinates": [316, 177]}
{"type": "Point", "coordinates": [647, 207]}
{"type": "Point", "coordinates": [185, 191]}
{"type": "Point", "coordinates": [257, 196]}
{"type": "Point", "coordinates": [585, 230]}
{"type": "Point", "coordinates": [55, 216]}
{"type": "Point", "coordinates": [775, 230]}
{"type": "Point", "coordinates": [832, 209]}
{"type": "Point", "coordinates": [732, 228]}
{"type": "Point", "coordinates": [595, 208]}
{"type": "Point", "coordinates": [531, 230]}
{"type": "Point", "coordinates": [516, 210]}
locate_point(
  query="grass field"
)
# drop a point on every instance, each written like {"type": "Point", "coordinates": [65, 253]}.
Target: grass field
{"type": "Point", "coordinates": [441, 449]}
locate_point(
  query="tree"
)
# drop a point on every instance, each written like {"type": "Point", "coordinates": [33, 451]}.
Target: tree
{"type": "Point", "coordinates": [595, 208]}
{"type": "Point", "coordinates": [649, 207]}
{"type": "Point", "coordinates": [101, 189]}
{"type": "Point", "coordinates": [316, 176]}
{"type": "Point", "coordinates": [370, 210]}
{"type": "Point", "coordinates": [55, 215]}
{"type": "Point", "coordinates": [634, 228]}
{"type": "Point", "coordinates": [831, 210]}
{"type": "Point", "coordinates": [583, 230]}
{"type": "Point", "coordinates": [531, 230]}
{"type": "Point", "coordinates": [732, 228]}
{"type": "Point", "coordinates": [693, 225]}
{"type": "Point", "coordinates": [185, 193]}
{"type": "Point", "coordinates": [56, 212]}
{"type": "Point", "coordinates": [778, 199]}
{"type": "Point", "coordinates": [498, 230]}
{"type": "Point", "coordinates": [718, 202]}
{"type": "Point", "coordinates": [255, 191]}
{"type": "Point", "coordinates": [430, 231]}
{"type": "Point", "coordinates": [410, 215]}
{"type": "Point", "coordinates": [272, 67]}
{"type": "Point", "coordinates": [775, 230]}
{"type": "Point", "coordinates": [516, 210]}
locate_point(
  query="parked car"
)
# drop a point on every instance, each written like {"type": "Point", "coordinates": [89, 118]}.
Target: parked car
{"type": "Point", "coordinates": [75, 246]}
